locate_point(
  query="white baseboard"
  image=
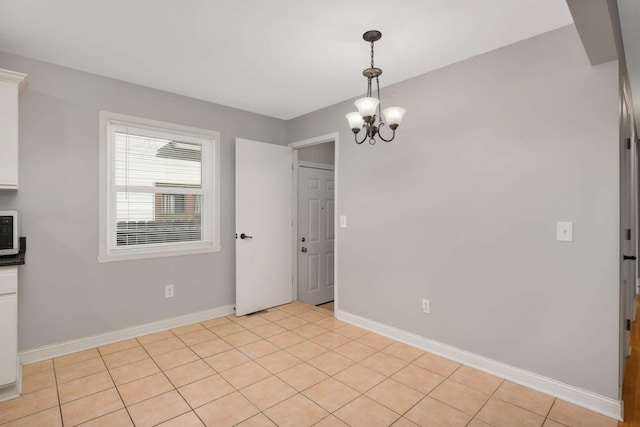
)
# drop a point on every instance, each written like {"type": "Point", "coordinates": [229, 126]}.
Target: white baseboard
{"type": "Point", "coordinates": [584, 398]}
{"type": "Point", "coordinates": [67, 347]}
{"type": "Point", "coordinates": [11, 391]}
{"type": "Point", "coordinates": [8, 392]}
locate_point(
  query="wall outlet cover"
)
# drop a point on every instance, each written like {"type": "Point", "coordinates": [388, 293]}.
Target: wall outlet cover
{"type": "Point", "coordinates": [168, 291]}
{"type": "Point", "coordinates": [426, 306]}
{"type": "Point", "coordinates": [564, 231]}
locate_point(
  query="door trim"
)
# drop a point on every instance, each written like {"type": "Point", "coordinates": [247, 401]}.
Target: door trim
{"type": "Point", "coordinates": [335, 137]}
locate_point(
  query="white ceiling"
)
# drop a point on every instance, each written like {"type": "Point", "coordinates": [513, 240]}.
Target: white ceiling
{"type": "Point", "coordinates": [281, 58]}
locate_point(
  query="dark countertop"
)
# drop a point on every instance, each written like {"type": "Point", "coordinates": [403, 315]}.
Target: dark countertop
{"type": "Point", "coordinates": [17, 259]}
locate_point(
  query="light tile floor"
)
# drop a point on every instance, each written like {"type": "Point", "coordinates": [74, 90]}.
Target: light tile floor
{"type": "Point", "coordinates": [293, 365]}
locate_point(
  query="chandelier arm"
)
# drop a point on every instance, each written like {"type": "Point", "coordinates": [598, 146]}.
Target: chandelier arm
{"type": "Point", "coordinates": [364, 138]}
{"type": "Point", "coordinates": [393, 135]}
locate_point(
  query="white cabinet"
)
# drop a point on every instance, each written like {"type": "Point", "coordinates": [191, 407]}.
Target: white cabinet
{"type": "Point", "coordinates": [11, 85]}
{"type": "Point", "coordinates": [8, 325]}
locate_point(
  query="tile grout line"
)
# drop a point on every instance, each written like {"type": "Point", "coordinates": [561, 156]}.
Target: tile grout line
{"type": "Point", "coordinates": [220, 372]}
{"type": "Point", "coordinates": [485, 403]}
{"type": "Point", "coordinates": [59, 406]}
{"type": "Point", "coordinates": [55, 379]}
{"type": "Point", "coordinates": [260, 411]}
{"type": "Point", "coordinates": [200, 358]}
{"type": "Point", "coordinates": [126, 408]}
{"type": "Point", "coordinates": [298, 392]}
{"type": "Point", "coordinates": [176, 388]}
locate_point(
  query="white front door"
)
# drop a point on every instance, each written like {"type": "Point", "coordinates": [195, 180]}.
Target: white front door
{"type": "Point", "coordinates": [263, 226]}
{"type": "Point", "coordinates": [315, 237]}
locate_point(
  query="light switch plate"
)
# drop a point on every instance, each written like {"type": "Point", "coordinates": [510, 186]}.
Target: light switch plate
{"type": "Point", "coordinates": [343, 221]}
{"type": "Point", "coordinates": [564, 231]}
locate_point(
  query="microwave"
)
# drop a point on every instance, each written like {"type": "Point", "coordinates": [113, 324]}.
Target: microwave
{"type": "Point", "coordinates": [9, 241]}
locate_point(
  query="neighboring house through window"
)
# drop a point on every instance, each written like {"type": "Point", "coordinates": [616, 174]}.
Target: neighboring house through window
{"type": "Point", "coordinates": [159, 189]}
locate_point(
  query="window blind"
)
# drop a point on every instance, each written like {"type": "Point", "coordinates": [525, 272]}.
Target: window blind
{"type": "Point", "coordinates": [157, 187]}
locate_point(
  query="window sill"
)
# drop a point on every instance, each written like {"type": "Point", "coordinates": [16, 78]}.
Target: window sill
{"type": "Point", "coordinates": [132, 256]}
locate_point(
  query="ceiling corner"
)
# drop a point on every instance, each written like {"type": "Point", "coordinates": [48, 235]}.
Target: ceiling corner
{"type": "Point", "coordinates": [595, 27]}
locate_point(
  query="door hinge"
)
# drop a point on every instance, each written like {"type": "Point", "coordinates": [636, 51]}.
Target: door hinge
{"type": "Point", "coordinates": [628, 234]}
{"type": "Point", "coordinates": [628, 143]}
{"type": "Point", "coordinates": [628, 324]}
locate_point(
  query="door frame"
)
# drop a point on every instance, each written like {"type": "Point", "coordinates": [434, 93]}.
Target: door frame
{"type": "Point", "coordinates": [331, 137]}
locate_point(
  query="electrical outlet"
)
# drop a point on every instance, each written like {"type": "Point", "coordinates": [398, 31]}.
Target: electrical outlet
{"type": "Point", "coordinates": [426, 306]}
{"type": "Point", "coordinates": [564, 231]}
{"type": "Point", "coordinates": [168, 291]}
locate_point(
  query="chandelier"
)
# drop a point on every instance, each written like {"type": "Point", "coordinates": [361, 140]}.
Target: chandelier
{"type": "Point", "coordinates": [365, 118]}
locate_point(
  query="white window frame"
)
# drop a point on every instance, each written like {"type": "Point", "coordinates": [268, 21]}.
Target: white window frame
{"type": "Point", "coordinates": [107, 249]}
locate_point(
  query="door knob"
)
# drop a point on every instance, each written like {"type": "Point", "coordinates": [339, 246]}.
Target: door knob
{"type": "Point", "coordinates": [628, 257]}
{"type": "Point", "coordinates": [303, 240]}
{"type": "Point", "coordinates": [303, 249]}
{"type": "Point", "coordinates": [244, 236]}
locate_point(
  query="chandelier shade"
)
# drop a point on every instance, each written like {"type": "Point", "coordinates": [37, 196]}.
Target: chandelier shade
{"type": "Point", "coordinates": [366, 118]}
{"type": "Point", "coordinates": [393, 116]}
{"type": "Point", "coordinates": [355, 120]}
{"type": "Point", "coordinates": [367, 106]}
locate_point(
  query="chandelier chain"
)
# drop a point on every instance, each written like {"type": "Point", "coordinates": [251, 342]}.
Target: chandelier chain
{"type": "Point", "coordinates": [372, 55]}
{"type": "Point", "coordinates": [369, 88]}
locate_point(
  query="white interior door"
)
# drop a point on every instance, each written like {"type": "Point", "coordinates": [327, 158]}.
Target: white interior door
{"type": "Point", "coordinates": [315, 237]}
{"type": "Point", "coordinates": [627, 238]}
{"type": "Point", "coordinates": [263, 225]}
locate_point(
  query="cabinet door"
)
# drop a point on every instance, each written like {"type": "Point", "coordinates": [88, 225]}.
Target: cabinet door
{"type": "Point", "coordinates": [11, 84]}
{"type": "Point", "coordinates": [9, 135]}
{"type": "Point", "coordinates": [8, 338]}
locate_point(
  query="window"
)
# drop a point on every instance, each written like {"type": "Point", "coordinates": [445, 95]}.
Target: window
{"type": "Point", "coordinates": [172, 204]}
{"type": "Point", "coordinates": [196, 205]}
{"type": "Point", "coordinates": [159, 192]}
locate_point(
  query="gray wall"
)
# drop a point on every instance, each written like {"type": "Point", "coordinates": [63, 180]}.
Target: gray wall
{"type": "Point", "coordinates": [462, 207]}
{"type": "Point", "coordinates": [321, 153]}
{"type": "Point", "coordinates": [64, 293]}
